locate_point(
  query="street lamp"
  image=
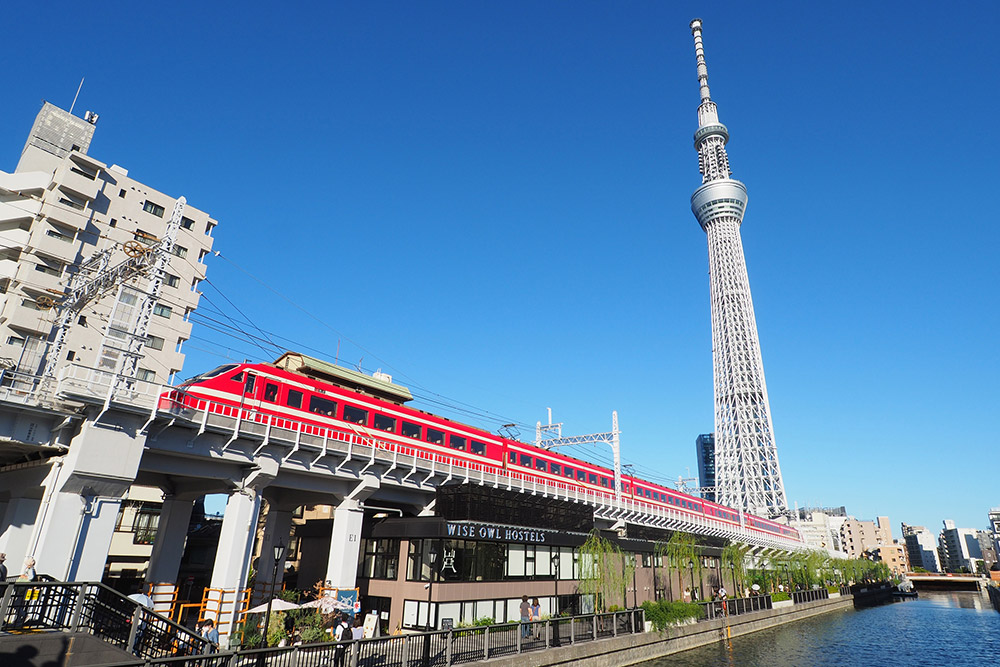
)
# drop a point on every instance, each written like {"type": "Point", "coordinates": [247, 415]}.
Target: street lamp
{"type": "Point", "coordinates": [732, 579]}
{"type": "Point", "coordinates": [555, 629]}
{"type": "Point", "coordinates": [635, 587]}
{"type": "Point", "coordinates": [279, 552]}
{"type": "Point", "coordinates": [432, 556]}
{"type": "Point", "coordinates": [691, 570]}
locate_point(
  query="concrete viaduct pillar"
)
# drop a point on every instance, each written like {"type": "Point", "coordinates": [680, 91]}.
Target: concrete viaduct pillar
{"type": "Point", "coordinates": [345, 541]}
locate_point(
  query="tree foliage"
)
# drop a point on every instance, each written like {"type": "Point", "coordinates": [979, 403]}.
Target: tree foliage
{"type": "Point", "coordinates": [605, 572]}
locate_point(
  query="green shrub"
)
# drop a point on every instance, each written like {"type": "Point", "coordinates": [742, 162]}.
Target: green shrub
{"type": "Point", "coordinates": [276, 628]}
{"type": "Point", "coordinates": [778, 596]}
{"type": "Point", "coordinates": [665, 613]}
{"type": "Point", "coordinates": [833, 588]}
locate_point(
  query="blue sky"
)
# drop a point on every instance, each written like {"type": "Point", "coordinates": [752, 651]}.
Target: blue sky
{"type": "Point", "coordinates": [491, 202]}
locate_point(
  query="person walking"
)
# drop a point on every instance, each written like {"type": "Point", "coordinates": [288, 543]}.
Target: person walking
{"type": "Point", "coordinates": [3, 569]}
{"type": "Point", "coordinates": [22, 599]}
{"type": "Point", "coordinates": [536, 616]}
{"type": "Point", "coordinates": [341, 635]}
{"type": "Point", "coordinates": [525, 616]}
{"type": "Point", "coordinates": [211, 636]}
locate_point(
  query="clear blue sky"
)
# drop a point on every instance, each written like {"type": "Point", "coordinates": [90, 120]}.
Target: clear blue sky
{"type": "Point", "coordinates": [491, 202]}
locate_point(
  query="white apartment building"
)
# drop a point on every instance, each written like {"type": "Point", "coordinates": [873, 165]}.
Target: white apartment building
{"type": "Point", "coordinates": [60, 208]}
{"type": "Point", "coordinates": [821, 531]}
{"type": "Point", "coordinates": [921, 548]}
{"type": "Point", "coordinates": [959, 547]}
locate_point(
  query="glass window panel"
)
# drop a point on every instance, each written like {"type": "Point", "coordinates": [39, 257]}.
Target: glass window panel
{"type": "Point", "coordinates": [515, 560]}
{"type": "Point", "coordinates": [541, 465]}
{"type": "Point", "coordinates": [525, 460]}
{"type": "Point", "coordinates": [411, 430]}
{"type": "Point", "coordinates": [271, 392]}
{"type": "Point", "coordinates": [384, 423]}
{"type": "Point", "coordinates": [355, 415]}
{"type": "Point", "coordinates": [294, 399]}
{"type": "Point", "coordinates": [322, 406]}
{"type": "Point", "coordinates": [456, 442]}
{"type": "Point", "coordinates": [478, 447]}
{"type": "Point", "coordinates": [435, 436]}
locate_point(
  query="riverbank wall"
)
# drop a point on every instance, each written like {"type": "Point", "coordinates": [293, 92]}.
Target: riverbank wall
{"type": "Point", "coordinates": [634, 649]}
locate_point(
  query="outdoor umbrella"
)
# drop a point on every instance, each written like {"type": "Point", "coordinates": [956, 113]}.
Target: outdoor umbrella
{"type": "Point", "coordinates": [327, 604]}
{"type": "Point", "coordinates": [277, 604]}
{"type": "Point", "coordinates": [143, 599]}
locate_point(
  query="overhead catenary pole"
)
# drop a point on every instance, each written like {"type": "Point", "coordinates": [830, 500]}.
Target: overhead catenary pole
{"type": "Point", "coordinates": [610, 438]}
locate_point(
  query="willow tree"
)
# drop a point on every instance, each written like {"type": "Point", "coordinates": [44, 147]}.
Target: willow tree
{"type": "Point", "coordinates": [682, 548]}
{"type": "Point", "coordinates": [604, 570]}
{"type": "Point", "coordinates": [734, 556]}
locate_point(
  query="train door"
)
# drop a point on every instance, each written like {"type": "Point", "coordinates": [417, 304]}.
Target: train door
{"type": "Point", "coordinates": [252, 387]}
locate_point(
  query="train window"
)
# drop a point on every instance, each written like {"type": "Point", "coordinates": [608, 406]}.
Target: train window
{"type": "Point", "coordinates": [411, 430]}
{"type": "Point", "coordinates": [238, 377]}
{"type": "Point", "coordinates": [478, 447]}
{"type": "Point", "coordinates": [435, 437]}
{"type": "Point", "coordinates": [604, 482]}
{"type": "Point", "coordinates": [526, 460]}
{"type": "Point", "coordinates": [656, 496]}
{"type": "Point", "coordinates": [541, 465]}
{"type": "Point", "coordinates": [625, 488]}
{"type": "Point", "coordinates": [555, 468]}
{"type": "Point", "coordinates": [568, 472]}
{"type": "Point", "coordinates": [294, 399]}
{"type": "Point", "coordinates": [248, 385]}
{"type": "Point", "coordinates": [648, 494]}
{"type": "Point", "coordinates": [270, 392]}
{"type": "Point", "coordinates": [321, 406]}
{"type": "Point", "coordinates": [581, 475]}
{"type": "Point", "coordinates": [592, 478]}
{"type": "Point", "coordinates": [383, 423]}
{"type": "Point", "coordinates": [456, 442]}
{"type": "Point", "coordinates": [512, 457]}
{"type": "Point", "coordinates": [355, 415]}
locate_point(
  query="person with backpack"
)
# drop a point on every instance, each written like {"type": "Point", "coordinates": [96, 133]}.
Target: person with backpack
{"type": "Point", "coordinates": [341, 635]}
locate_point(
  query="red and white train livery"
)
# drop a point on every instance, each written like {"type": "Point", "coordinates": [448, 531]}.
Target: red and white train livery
{"type": "Point", "coordinates": [302, 389]}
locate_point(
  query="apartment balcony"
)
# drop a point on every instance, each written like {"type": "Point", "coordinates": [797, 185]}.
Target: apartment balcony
{"type": "Point", "coordinates": [66, 215]}
{"type": "Point", "coordinates": [26, 318]}
{"type": "Point", "coordinates": [55, 245]}
{"type": "Point", "coordinates": [18, 210]}
{"type": "Point", "coordinates": [76, 183]}
{"type": "Point", "coordinates": [8, 268]}
{"type": "Point", "coordinates": [34, 182]}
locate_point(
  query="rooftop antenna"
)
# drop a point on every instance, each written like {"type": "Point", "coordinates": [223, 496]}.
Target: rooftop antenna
{"type": "Point", "coordinates": [77, 94]}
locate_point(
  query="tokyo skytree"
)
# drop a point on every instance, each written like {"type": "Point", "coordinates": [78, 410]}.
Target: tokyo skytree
{"type": "Point", "coordinates": [747, 475]}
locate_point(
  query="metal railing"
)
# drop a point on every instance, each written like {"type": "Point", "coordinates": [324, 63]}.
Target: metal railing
{"type": "Point", "coordinates": [735, 606]}
{"type": "Point", "coordinates": [97, 610]}
{"type": "Point", "coordinates": [441, 648]}
{"type": "Point", "coordinates": [811, 595]}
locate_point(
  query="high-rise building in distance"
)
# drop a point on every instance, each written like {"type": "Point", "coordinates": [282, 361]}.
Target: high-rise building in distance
{"type": "Point", "coordinates": [705, 446]}
{"type": "Point", "coordinates": [747, 474]}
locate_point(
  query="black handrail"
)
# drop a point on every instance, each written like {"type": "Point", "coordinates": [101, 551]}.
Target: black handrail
{"type": "Point", "coordinates": [96, 609]}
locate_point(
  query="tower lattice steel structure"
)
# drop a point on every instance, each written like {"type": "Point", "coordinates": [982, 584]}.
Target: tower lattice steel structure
{"type": "Point", "coordinates": [747, 474]}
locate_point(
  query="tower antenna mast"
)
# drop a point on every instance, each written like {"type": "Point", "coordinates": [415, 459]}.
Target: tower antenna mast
{"type": "Point", "coordinates": [747, 474]}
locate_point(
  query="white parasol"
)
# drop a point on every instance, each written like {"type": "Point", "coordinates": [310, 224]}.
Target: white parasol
{"type": "Point", "coordinates": [277, 604]}
{"type": "Point", "coordinates": [755, 587]}
{"type": "Point", "coordinates": [326, 604]}
{"type": "Point", "coordinates": [142, 599]}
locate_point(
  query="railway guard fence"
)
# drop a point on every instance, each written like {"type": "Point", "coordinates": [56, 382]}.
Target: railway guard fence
{"type": "Point", "coordinates": [440, 648]}
{"type": "Point", "coordinates": [359, 452]}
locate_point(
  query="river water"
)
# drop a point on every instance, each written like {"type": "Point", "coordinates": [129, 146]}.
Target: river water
{"type": "Point", "coordinates": [938, 628]}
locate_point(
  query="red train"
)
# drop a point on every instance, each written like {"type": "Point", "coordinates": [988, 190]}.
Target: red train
{"type": "Point", "coordinates": [305, 390]}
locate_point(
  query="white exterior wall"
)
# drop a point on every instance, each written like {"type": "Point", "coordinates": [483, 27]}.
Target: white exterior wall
{"type": "Point", "coordinates": [39, 228]}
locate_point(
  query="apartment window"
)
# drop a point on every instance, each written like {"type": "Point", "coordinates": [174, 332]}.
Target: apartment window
{"type": "Point", "coordinates": [209, 227]}
{"type": "Point", "coordinates": [145, 375]}
{"type": "Point", "coordinates": [201, 255]}
{"type": "Point", "coordinates": [180, 250]}
{"type": "Point", "coordinates": [155, 209]}
{"type": "Point", "coordinates": [121, 193]}
{"type": "Point", "coordinates": [145, 524]}
{"type": "Point", "coordinates": [83, 173]}
{"type": "Point", "coordinates": [187, 223]}
{"type": "Point", "coordinates": [113, 223]}
{"type": "Point", "coordinates": [171, 281]}
{"type": "Point", "coordinates": [194, 284]}
{"type": "Point", "coordinates": [70, 356]}
{"type": "Point", "coordinates": [162, 311]}
{"type": "Point", "coordinates": [48, 270]}
{"type": "Point", "coordinates": [72, 203]}
{"type": "Point", "coordinates": [59, 236]}
{"type": "Point", "coordinates": [154, 342]}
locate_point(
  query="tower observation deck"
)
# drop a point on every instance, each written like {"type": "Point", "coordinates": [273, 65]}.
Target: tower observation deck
{"type": "Point", "coordinates": [746, 458]}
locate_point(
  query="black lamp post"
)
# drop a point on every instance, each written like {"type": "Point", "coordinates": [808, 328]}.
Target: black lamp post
{"type": "Point", "coordinates": [635, 587]}
{"type": "Point", "coordinates": [555, 628]}
{"type": "Point", "coordinates": [732, 579]}
{"type": "Point", "coordinates": [432, 556]}
{"type": "Point", "coordinates": [279, 552]}
{"type": "Point", "coordinates": [691, 570]}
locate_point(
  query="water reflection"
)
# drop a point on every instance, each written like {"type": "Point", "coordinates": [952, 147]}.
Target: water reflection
{"type": "Point", "coordinates": [958, 629]}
